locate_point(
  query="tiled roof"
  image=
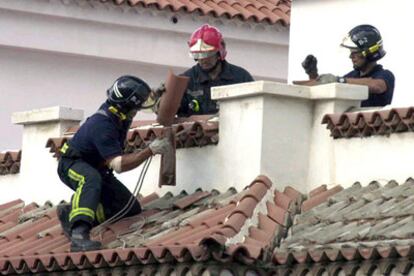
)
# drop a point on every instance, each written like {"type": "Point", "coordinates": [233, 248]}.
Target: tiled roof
{"type": "Point", "coordinates": [363, 124]}
{"type": "Point", "coordinates": [10, 162]}
{"type": "Point", "coordinates": [231, 226]}
{"type": "Point", "coordinates": [358, 229]}
{"type": "Point", "coordinates": [272, 11]}
{"type": "Point", "coordinates": [194, 131]}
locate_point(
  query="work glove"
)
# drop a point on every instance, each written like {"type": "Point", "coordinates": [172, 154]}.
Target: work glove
{"type": "Point", "coordinates": [160, 146]}
{"type": "Point", "coordinates": [326, 78]}
{"type": "Point", "coordinates": [310, 64]}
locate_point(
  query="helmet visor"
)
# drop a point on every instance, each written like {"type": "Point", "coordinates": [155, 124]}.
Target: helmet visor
{"type": "Point", "coordinates": [150, 102]}
{"type": "Point", "coordinates": [348, 43]}
{"type": "Point", "coordinates": [201, 55]}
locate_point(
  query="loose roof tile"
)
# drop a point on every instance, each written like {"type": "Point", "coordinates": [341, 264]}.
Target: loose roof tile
{"type": "Point", "coordinates": [364, 124]}
{"type": "Point", "coordinates": [232, 226]}
{"type": "Point", "coordinates": [194, 131]}
{"type": "Point", "coordinates": [356, 224]}
{"type": "Point", "coordinates": [10, 162]}
{"type": "Point", "coordinates": [270, 11]}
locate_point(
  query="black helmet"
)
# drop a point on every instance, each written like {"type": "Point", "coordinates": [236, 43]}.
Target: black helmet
{"type": "Point", "coordinates": [367, 40]}
{"type": "Point", "coordinates": [128, 92]}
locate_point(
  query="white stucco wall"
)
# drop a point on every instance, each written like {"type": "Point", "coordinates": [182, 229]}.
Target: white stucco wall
{"type": "Point", "coordinates": [265, 128]}
{"type": "Point", "coordinates": [377, 158]}
{"type": "Point", "coordinates": [68, 52]}
{"type": "Point", "coordinates": [318, 27]}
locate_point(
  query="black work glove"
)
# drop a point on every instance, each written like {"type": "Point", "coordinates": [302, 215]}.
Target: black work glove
{"type": "Point", "coordinates": [310, 64]}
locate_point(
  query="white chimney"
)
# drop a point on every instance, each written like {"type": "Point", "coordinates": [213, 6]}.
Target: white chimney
{"type": "Point", "coordinates": [275, 129]}
{"type": "Point", "coordinates": [38, 177]}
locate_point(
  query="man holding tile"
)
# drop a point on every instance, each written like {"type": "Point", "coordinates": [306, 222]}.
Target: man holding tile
{"type": "Point", "coordinates": [88, 160]}
{"type": "Point", "coordinates": [208, 49]}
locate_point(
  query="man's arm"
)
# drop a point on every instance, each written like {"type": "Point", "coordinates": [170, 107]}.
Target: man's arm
{"type": "Point", "coordinates": [375, 86]}
{"type": "Point", "coordinates": [129, 161]}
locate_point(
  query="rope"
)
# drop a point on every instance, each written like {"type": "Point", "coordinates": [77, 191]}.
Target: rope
{"type": "Point", "coordinates": [97, 230]}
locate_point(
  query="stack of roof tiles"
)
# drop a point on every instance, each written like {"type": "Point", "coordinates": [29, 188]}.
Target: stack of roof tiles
{"type": "Point", "coordinates": [10, 162]}
{"type": "Point", "coordinates": [357, 231]}
{"type": "Point", "coordinates": [184, 228]}
{"type": "Point", "coordinates": [271, 11]}
{"type": "Point", "coordinates": [364, 124]}
{"type": "Point", "coordinates": [194, 131]}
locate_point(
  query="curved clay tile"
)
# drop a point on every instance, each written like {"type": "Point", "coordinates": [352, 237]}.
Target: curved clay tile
{"type": "Point", "coordinates": [259, 10]}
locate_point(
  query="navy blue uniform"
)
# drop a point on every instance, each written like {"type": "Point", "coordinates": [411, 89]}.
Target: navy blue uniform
{"type": "Point", "coordinates": [200, 84]}
{"type": "Point", "coordinates": [377, 73]}
{"type": "Point", "coordinates": [98, 194]}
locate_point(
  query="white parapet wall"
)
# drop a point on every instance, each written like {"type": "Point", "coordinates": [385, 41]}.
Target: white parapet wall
{"type": "Point", "coordinates": [376, 158]}
{"type": "Point", "coordinates": [265, 128]}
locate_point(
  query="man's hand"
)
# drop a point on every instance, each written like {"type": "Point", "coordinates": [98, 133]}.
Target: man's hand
{"type": "Point", "coordinates": [327, 78]}
{"type": "Point", "coordinates": [159, 146]}
{"type": "Point", "coordinates": [310, 64]}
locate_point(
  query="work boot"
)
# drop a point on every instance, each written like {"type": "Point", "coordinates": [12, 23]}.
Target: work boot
{"type": "Point", "coordinates": [81, 240]}
{"type": "Point", "coordinates": [63, 211]}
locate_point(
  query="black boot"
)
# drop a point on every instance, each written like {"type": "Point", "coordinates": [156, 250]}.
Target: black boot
{"type": "Point", "coordinates": [63, 211]}
{"type": "Point", "coordinates": [81, 240]}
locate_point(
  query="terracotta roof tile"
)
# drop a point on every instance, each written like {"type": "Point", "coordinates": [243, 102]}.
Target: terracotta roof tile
{"type": "Point", "coordinates": [10, 162]}
{"type": "Point", "coordinates": [354, 224]}
{"type": "Point", "coordinates": [364, 124]}
{"type": "Point", "coordinates": [194, 131]}
{"type": "Point", "coordinates": [319, 198]}
{"type": "Point", "coordinates": [172, 228]}
{"type": "Point", "coordinates": [277, 11]}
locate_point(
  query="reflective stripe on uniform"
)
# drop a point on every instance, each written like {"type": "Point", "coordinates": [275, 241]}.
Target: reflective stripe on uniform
{"type": "Point", "coordinates": [100, 214]}
{"type": "Point", "coordinates": [76, 210]}
{"type": "Point", "coordinates": [64, 148]}
{"type": "Point", "coordinates": [82, 211]}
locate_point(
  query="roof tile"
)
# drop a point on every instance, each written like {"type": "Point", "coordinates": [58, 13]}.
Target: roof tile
{"type": "Point", "coordinates": [355, 224]}
{"type": "Point", "coordinates": [194, 131]}
{"type": "Point", "coordinates": [277, 11]}
{"type": "Point", "coordinates": [10, 162]}
{"type": "Point", "coordinates": [364, 124]}
{"type": "Point", "coordinates": [33, 241]}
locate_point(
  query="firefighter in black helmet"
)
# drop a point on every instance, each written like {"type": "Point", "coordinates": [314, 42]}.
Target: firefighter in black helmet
{"type": "Point", "coordinates": [89, 158]}
{"type": "Point", "coordinates": [366, 48]}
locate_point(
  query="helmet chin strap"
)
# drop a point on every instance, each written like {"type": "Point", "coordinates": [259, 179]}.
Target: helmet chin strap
{"type": "Point", "coordinates": [117, 113]}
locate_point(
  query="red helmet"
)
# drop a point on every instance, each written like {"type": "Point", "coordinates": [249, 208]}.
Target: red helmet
{"type": "Point", "coordinates": [205, 42]}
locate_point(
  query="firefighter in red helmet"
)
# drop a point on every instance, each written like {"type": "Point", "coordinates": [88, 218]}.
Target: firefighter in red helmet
{"type": "Point", "coordinates": [208, 49]}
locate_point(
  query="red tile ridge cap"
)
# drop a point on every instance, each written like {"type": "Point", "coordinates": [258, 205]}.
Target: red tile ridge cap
{"type": "Point", "coordinates": [318, 190]}
{"type": "Point", "coordinates": [260, 208]}
{"type": "Point", "coordinates": [9, 207]}
{"type": "Point", "coordinates": [260, 190]}
{"type": "Point", "coordinates": [292, 193]}
{"type": "Point", "coordinates": [320, 198]}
